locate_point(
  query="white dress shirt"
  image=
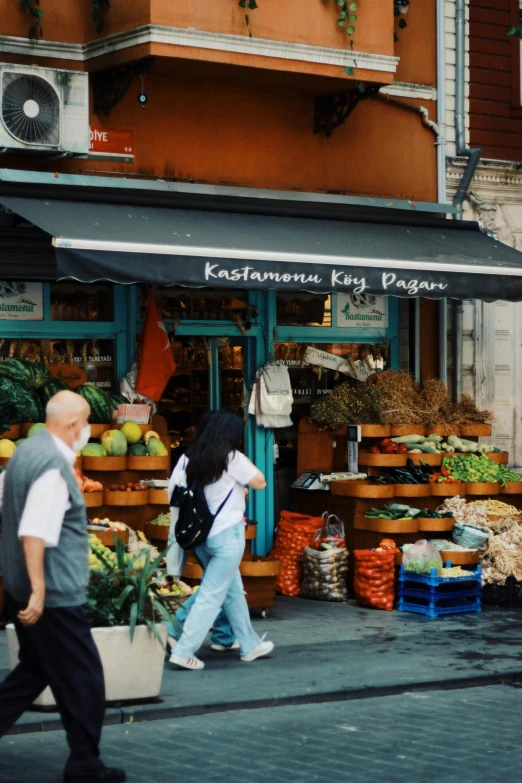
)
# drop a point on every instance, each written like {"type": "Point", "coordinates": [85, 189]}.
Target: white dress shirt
{"type": "Point", "coordinates": [47, 502]}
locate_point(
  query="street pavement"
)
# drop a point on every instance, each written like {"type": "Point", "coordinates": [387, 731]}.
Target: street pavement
{"type": "Point", "coordinates": [457, 736]}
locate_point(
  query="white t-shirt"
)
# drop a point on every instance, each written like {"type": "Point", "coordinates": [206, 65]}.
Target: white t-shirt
{"type": "Point", "coordinates": [239, 472]}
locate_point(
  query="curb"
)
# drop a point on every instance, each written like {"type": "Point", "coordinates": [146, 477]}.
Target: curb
{"type": "Point", "coordinates": [138, 713]}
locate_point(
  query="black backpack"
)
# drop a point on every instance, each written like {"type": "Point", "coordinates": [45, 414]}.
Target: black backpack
{"type": "Point", "coordinates": [195, 519]}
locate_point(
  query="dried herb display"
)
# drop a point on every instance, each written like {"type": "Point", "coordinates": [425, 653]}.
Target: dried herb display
{"type": "Point", "coordinates": [359, 404]}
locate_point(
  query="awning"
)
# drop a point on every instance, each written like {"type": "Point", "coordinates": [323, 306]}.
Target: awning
{"type": "Point", "coordinates": [189, 247]}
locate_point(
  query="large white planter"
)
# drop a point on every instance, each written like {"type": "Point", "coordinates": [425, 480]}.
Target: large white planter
{"type": "Point", "coordinates": [133, 670]}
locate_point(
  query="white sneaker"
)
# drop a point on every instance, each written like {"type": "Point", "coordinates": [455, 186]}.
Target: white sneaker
{"type": "Point", "coordinates": [265, 648]}
{"type": "Point", "coordinates": [224, 647]}
{"type": "Point", "coordinates": [186, 663]}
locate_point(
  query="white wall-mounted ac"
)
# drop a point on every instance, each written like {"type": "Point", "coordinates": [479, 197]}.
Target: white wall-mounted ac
{"type": "Point", "coordinates": [44, 109]}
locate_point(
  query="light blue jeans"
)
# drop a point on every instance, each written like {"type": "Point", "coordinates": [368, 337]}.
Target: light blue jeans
{"type": "Point", "coordinates": [221, 586]}
{"type": "Point", "coordinates": [222, 633]}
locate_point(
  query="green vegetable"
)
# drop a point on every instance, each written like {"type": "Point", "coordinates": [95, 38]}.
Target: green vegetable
{"type": "Point", "coordinates": [409, 439]}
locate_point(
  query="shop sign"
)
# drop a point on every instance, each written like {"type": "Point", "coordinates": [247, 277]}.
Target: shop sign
{"type": "Point", "coordinates": [362, 311]}
{"type": "Point", "coordinates": [21, 301]}
{"type": "Point", "coordinates": [109, 144]}
{"type": "Point", "coordinates": [328, 360]}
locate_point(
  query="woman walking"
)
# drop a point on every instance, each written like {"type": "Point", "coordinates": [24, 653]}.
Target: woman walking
{"type": "Point", "coordinates": [215, 462]}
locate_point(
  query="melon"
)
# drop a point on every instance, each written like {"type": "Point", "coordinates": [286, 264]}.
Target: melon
{"type": "Point", "coordinates": [138, 450]}
{"type": "Point", "coordinates": [7, 448]}
{"type": "Point", "coordinates": [115, 442]}
{"type": "Point", "coordinates": [94, 450]}
{"type": "Point", "coordinates": [132, 432]}
{"type": "Point", "coordinates": [101, 411]}
{"type": "Point", "coordinates": [30, 375]}
{"type": "Point", "coordinates": [118, 399]}
{"type": "Point", "coordinates": [52, 387]}
{"type": "Point", "coordinates": [20, 441]}
{"type": "Point", "coordinates": [157, 448]}
{"type": "Point", "coordinates": [34, 429]}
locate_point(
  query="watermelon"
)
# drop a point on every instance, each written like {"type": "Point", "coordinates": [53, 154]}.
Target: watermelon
{"type": "Point", "coordinates": [29, 375]}
{"type": "Point", "coordinates": [117, 399]}
{"type": "Point", "coordinates": [115, 442]}
{"type": "Point", "coordinates": [31, 407]}
{"type": "Point", "coordinates": [52, 387]}
{"type": "Point", "coordinates": [101, 411]}
{"type": "Point", "coordinates": [94, 450]}
{"type": "Point", "coordinates": [157, 448]}
{"type": "Point", "coordinates": [138, 450]}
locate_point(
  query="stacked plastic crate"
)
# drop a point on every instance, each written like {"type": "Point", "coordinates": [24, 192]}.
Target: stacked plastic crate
{"type": "Point", "coordinates": [434, 595]}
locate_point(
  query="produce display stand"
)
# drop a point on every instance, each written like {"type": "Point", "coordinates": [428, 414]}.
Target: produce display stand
{"type": "Point", "coordinates": [351, 500]}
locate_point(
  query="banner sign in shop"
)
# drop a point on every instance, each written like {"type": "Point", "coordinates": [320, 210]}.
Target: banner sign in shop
{"type": "Point", "coordinates": [21, 301]}
{"type": "Point", "coordinates": [89, 266]}
{"type": "Point", "coordinates": [362, 311]}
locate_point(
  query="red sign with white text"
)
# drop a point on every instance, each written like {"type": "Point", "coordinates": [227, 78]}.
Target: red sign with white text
{"type": "Point", "coordinates": [113, 144]}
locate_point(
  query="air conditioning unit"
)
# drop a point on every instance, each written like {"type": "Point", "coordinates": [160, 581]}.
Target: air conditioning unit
{"type": "Point", "coordinates": [44, 109]}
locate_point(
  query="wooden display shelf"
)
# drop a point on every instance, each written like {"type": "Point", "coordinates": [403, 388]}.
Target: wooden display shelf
{"type": "Point", "coordinates": [107, 538]}
{"type": "Point", "coordinates": [428, 459]}
{"type": "Point", "coordinates": [460, 558]}
{"type": "Point", "coordinates": [25, 427]}
{"type": "Point", "coordinates": [398, 430]}
{"type": "Point", "coordinates": [119, 498]}
{"type": "Point", "coordinates": [13, 433]}
{"type": "Point", "coordinates": [97, 430]}
{"type": "Point", "coordinates": [104, 463]}
{"type": "Point", "coordinates": [158, 497]}
{"type": "Point", "coordinates": [157, 532]}
{"type": "Point", "coordinates": [366, 458]}
{"type": "Point", "coordinates": [359, 489]}
{"type": "Point", "coordinates": [93, 499]}
{"type": "Point", "coordinates": [250, 532]}
{"type": "Point", "coordinates": [431, 525]}
{"type": "Point", "coordinates": [388, 526]}
{"type": "Point", "coordinates": [443, 429]}
{"type": "Point", "coordinates": [475, 430]}
{"type": "Point", "coordinates": [78, 465]}
{"type": "Point", "coordinates": [500, 457]}
{"type": "Point", "coordinates": [260, 567]}
{"type": "Point", "coordinates": [4, 461]}
{"type": "Point", "coordinates": [512, 488]}
{"type": "Point", "coordinates": [448, 489]}
{"type": "Point", "coordinates": [147, 463]}
{"type": "Point", "coordinates": [482, 488]}
{"type": "Point", "coordinates": [412, 490]}
{"type": "Point", "coordinates": [375, 430]}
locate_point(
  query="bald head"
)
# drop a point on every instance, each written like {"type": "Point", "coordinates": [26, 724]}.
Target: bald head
{"type": "Point", "coordinates": [67, 413]}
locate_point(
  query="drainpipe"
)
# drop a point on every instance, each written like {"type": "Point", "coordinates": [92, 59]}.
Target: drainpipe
{"type": "Point", "coordinates": [441, 171]}
{"type": "Point", "coordinates": [473, 156]}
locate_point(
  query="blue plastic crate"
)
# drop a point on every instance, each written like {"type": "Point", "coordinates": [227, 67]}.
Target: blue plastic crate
{"type": "Point", "coordinates": [456, 606]}
{"type": "Point", "coordinates": [434, 580]}
{"type": "Point", "coordinates": [433, 594]}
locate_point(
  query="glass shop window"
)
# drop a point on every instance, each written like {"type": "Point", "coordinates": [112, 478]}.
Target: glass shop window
{"type": "Point", "coordinates": [304, 309]}
{"type": "Point", "coordinates": [82, 302]}
{"type": "Point", "coordinates": [180, 304]}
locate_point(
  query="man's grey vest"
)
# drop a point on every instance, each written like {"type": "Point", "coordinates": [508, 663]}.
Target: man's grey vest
{"type": "Point", "coordinates": [66, 565]}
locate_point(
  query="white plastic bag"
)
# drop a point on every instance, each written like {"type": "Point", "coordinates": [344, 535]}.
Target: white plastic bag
{"type": "Point", "coordinates": [421, 558]}
{"type": "Point", "coordinates": [128, 387]}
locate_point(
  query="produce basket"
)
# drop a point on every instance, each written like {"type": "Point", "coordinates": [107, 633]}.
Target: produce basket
{"type": "Point", "coordinates": [500, 457]}
{"type": "Point", "coordinates": [4, 461]}
{"type": "Point", "coordinates": [13, 433]}
{"type": "Point", "coordinates": [147, 463]}
{"type": "Point", "coordinates": [448, 489]}
{"type": "Point", "coordinates": [250, 532]}
{"type": "Point", "coordinates": [119, 498]}
{"type": "Point", "coordinates": [159, 497]}
{"type": "Point", "coordinates": [443, 429]}
{"type": "Point", "coordinates": [156, 532]}
{"type": "Point", "coordinates": [375, 430]}
{"type": "Point", "coordinates": [93, 499]}
{"type": "Point", "coordinates": [460, 558]}
{"type": "Point", "coordinates": [412, 490]}
{"type": "Point", "coordinates": [398, 430]}
{"type": "Point", "coordinates": [358, 489]}
{"type": "Point", "coordinates": [79, 463]}
{"type": "Point", "coordinates": [390, 526]}
{"type": "Point", "coordinates": [433, 525]}
{"type": "Point", "coordinates": [97, 430]}
{"type": "Point", "coordinates": [512, 488]}
{"type": "Point", "coordinates": [382, 460]}
{"type": "Point", "coordinates": [107, 539]}
{"type": "Point", "coordinates": [428, 459]}
{"type": "Point", "coordinates": [482, 488]}
{"type": "Point", "coordinates": [104, 463]}
{"type": "Point", "coordinates": [260, 567]}
{"type": "Point", "coordinates": [475, 430]}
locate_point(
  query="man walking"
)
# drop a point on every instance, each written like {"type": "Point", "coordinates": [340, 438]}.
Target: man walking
{"type": "Point", "coordinates": [44, 555]}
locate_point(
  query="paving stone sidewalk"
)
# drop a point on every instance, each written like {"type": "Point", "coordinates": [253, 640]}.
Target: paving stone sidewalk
{"type": "Point", "coordinates": [440, 737]}
{"type": "Point", "coordinates": [334, 650]}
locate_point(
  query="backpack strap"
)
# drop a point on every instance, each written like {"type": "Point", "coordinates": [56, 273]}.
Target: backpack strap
{"type": "Point", "coordinates": [220, 509]}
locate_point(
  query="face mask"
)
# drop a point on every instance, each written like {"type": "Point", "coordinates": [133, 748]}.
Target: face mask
{"type": "Point", "coordinates": [85, 434]}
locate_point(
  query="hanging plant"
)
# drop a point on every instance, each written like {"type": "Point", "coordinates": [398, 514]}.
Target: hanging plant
{"type": "Point", "coordinates": [347, 16]}
{"type": "Point", "coordinates": [33, 9]}
{"type": "Point", "coordinates": [248, 5]}
{"type": "Point", "coordinates": [98, 9]}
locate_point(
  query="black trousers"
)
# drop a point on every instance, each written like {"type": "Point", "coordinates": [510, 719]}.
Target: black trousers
{"type": "Point", "coordinates": [58, 651]}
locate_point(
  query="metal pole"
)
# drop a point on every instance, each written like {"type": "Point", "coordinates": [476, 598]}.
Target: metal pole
{"type": "Point", "coordinates": [458, 363]}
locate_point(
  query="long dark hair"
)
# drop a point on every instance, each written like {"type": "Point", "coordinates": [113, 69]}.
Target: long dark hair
{"type": "Point", "coordinates": [218, 434]}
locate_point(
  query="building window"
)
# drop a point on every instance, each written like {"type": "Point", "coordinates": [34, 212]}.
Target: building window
{"type": "Point", "coordinates": [304, 309]}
